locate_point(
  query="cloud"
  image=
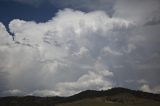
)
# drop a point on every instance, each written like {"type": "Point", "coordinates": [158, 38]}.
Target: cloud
{"type": "Point", "coordinates": [142, 81]}
{"type": "Point", "coordinates": [91, 80]}
{"type": "Point", "coordinates": [147, 88]}
{"type": "Point", "coordinates": [109, 50]}
{"type": "Point", "coordinates": [44, 93]}
{"type": "Point", "coordinates": [66, 44]}
{"type": "Point", "coordinates": [78, 50]}
{"type": "Point", "coordinates": [13, 92]}
{"type": "Point", "coordinates": [145, 10]}
{"type": "Point", "coordinates": [4, 35]}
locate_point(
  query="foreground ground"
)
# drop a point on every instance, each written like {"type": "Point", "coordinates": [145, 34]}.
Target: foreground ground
{"type": "Point", "coordinates": [102, 101]}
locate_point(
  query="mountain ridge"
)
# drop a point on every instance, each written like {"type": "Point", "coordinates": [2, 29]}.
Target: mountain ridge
{"type": "Point", "coordinates": [118, 94]}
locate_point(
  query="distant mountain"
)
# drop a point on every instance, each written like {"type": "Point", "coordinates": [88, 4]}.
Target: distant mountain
{"type": "Point", "coordinates": [111, 97]}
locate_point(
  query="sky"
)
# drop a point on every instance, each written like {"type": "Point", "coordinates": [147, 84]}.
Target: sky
{"type": "Point", "coordinates": [62, 47]}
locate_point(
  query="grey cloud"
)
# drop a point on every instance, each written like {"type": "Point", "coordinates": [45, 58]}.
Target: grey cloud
{"type": "Point", "coordinates": [43, 65]}
{"type": "Point", "coordinates": [14, 92]}
{"type": "Point", "coordinates": [153, 22]}
{"type": "Point", "coordinates": [91, 80]}
{"type": "Point", "coordinates": [138, 11]}
{"type": "Point", "coordinates": [76, 46]}
{"type": "Point", "coordinates": [154, 19]}
{"type": "Point", "coordinates": [147, 88]}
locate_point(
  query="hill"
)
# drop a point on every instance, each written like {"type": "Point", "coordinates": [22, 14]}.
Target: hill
{"type": "Point", "coordinates": [111, 97]}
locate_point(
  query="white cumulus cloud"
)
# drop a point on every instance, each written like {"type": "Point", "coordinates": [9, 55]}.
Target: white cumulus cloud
{"type": "Point", "coordinates": [64, 55]}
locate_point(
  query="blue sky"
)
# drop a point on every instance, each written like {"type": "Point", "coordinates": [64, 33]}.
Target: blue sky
{"type": "Point", "coordinates": [62, 47]}
{"type": "Point", "coordinates": [14, 10]}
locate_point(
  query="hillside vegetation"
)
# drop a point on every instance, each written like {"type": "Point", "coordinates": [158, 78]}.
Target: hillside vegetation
{"type": "Point", "coordinates": [112, 97]}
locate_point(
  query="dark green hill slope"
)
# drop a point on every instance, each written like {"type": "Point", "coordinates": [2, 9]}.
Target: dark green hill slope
{"type": "Point", "coordinates": [112, 97]}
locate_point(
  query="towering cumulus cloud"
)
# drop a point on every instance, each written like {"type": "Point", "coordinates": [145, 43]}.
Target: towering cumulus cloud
{"type": "Point", "coordinates": [63, 56]}
{"type": "Point", "coordinates": [77, 50]}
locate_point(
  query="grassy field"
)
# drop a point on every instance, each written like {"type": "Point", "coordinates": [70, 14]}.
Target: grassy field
{"type": "Point", "coordinates": [103, 102]}
{"type": "Point", "coordinates": [90, 102]}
